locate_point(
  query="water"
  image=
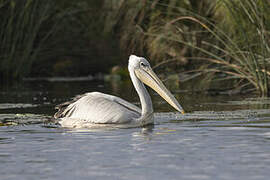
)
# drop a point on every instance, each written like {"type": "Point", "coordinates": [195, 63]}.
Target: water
{"type": "Point", "coordinates": [220, 137]}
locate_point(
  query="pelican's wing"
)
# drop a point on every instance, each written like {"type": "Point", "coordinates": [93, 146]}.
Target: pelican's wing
{"type": "Point", "coordinates": [97, 107]}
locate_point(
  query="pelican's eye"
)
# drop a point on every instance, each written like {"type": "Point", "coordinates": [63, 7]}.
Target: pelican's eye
{"type": "Point", "coordinates": [143, 65]}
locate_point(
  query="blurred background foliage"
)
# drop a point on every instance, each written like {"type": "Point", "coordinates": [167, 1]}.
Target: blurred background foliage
{"type": "Point", "coordinates": [53, 38]}
{"type": "Point", "coordinates": [221, 44]}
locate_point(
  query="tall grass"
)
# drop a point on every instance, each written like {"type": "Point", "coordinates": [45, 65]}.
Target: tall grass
{"type": "Point", "coordinates": [37, 35]}
{"type": "Point", "coordinates": [136, 20]}
{"type": "Point", "coordinates": [248, 41]}
{"type": "Point", "coordinates": [240, 48]}
{"type": "Point", "coordinates": [224, 40]}
{"type": "Point", "coordinates": [227, 39]}
{"type": "Point", "coordinates": [20, 34]}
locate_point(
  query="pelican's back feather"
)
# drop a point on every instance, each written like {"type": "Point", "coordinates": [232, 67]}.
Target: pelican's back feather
{"type": "Point", "coordinates": [97, 107]}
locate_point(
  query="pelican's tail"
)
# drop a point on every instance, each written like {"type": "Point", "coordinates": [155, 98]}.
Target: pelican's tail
{"type": "Point", "coordinates": [64, 110]}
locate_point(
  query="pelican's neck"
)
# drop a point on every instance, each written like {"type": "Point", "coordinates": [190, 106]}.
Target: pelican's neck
{"type": "Point", "coordinates": [144, 96]}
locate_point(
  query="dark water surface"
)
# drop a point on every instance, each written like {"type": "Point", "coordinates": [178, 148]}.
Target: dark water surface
{"type": "Point", "coordinates": [220, 137]}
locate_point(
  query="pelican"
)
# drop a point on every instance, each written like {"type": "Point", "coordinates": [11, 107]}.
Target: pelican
{"type": "Point", "coordinates": [99, 108]}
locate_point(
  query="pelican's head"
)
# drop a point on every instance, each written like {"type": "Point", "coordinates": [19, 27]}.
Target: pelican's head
{"type": "Point", "coordinates": [144, 73]}
{"type": "Point", "coordinates": [136, 62]}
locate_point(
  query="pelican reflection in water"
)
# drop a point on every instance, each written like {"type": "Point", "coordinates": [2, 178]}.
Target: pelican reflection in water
{"type": "Point", "coordinates": [99, 108]}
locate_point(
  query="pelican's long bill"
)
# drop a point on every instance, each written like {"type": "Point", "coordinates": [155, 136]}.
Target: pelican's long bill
{"type": "Point", "coordinates": [148, 77]}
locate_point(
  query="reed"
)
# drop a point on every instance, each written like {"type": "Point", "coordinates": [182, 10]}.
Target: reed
{"type": "Point", "coordinates": [37, 33]}
{"type": "Point", "coordinates": [248, 41]}
{"type": "Point", "coordinates": [227, 39]}
{"type": "Point", "coordinates": [240, 48]}
{"type": "Point", "coordinates": [224, 40]}
{"type": "Point", "coordinates": [21, 40]}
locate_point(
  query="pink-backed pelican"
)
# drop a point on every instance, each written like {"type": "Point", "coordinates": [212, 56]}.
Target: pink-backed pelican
{"type": "Point", "coordinates": [99, 108]}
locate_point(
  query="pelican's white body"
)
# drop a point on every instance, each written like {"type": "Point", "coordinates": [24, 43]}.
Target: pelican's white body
{"type": "Point", "coordinates": [98, 108]}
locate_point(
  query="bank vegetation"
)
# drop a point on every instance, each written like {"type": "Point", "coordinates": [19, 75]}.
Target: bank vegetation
{"type": "Point", "coordinates": [223, 43]}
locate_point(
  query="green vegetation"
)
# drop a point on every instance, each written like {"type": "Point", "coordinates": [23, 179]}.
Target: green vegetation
{"type": "Point", "coordinates": [50, 38]}
{"type": "Point", "coordinates": [224, 42]}
{"type": "Point", "coordinates": [21, 23]}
